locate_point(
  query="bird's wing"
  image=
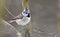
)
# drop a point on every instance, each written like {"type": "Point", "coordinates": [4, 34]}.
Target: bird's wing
{"type": "Point", "coordinates": [20, 16]}
{"type": "Point", "coordinates": [14, 19]}
{"type": "Point", "coordinates": [11, 21]}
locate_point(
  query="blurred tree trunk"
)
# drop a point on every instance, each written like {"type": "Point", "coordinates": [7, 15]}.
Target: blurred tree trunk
{"type": "Point", "coordinates": [2, 3]}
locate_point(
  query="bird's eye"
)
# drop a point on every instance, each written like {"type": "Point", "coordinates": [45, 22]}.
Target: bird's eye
{"type": "Point", "coordinates": [26, 12]}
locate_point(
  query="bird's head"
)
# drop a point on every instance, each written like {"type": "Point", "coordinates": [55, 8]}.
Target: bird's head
{"type": "Point", "coordinates": [25, 12]}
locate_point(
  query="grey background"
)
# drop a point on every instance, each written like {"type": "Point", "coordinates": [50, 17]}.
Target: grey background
{"type": "Point", "coordinates": [43, 14]}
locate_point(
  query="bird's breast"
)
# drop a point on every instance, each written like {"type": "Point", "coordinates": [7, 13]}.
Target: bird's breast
{"type": "Point", "coordinates": [23, 21]}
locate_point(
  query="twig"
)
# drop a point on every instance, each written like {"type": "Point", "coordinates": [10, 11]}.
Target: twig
{"type": "Point", "coordinates": [12, 27]}
{"type": "Point", "coordinates": [9, 12]}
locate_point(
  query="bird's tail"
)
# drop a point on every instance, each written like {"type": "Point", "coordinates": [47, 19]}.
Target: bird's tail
{"type": "Point", "coordinates": [11, 21]}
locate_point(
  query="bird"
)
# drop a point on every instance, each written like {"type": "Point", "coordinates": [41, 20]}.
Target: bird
{"type": "Point", "coordinates": [22, 19]}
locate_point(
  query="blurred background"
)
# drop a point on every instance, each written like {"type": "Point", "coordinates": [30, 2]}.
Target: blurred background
{"type": "Point", "coordinates": [44, 17]}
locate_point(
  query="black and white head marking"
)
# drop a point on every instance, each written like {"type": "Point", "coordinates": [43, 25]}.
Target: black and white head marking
{"type": "Point", "coordinates": [25, 12]}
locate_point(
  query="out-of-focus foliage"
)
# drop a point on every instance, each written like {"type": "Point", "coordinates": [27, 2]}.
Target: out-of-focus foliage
{"type": "Point", "coordinates": [1, 28]}
{"type": "Point", "coordinates": [2, 4]}
{"type": "Point", "coordinates": [58, 17]}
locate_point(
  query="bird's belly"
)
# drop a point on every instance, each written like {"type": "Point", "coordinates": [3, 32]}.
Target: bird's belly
{"type": "Point", "coordinates": [23, 21]}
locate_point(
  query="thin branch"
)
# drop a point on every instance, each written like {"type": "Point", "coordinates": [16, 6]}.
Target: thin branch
{"type": "Point", "coordinates": [9, 12]}
{"type": "Point", "coordinates": [12, 27]}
